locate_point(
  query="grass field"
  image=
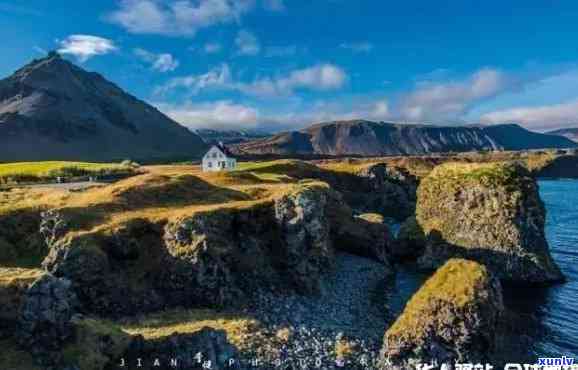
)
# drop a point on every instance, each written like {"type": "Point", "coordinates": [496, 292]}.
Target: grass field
{"type": "Point", "coordinates": [37, 171]}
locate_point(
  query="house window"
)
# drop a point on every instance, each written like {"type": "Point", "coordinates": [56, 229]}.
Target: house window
{"type": "Point", "coordinates": [210, 165]}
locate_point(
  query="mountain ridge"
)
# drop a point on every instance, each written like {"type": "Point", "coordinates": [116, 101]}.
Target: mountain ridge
{"type": "Point", "coordinates": [368, 138]}
{"type": "Point", "coordinates": [51, 109]}
{"type": "Point", "coordinates": [569, 133]}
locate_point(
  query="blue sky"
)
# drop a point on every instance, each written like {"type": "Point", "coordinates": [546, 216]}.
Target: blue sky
{"type": "Point", "coordinates": [282, 64]}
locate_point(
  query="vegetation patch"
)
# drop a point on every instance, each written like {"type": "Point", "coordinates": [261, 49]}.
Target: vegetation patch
{"type": "Point", "coordinates": [22, 172]}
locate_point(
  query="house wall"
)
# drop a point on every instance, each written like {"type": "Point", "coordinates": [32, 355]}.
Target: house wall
{"type": "Point", "coordinates": [212, 161]}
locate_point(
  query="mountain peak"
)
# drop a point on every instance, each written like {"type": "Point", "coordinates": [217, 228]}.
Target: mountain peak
{"type": "Point", "coordinates": [53, 109]}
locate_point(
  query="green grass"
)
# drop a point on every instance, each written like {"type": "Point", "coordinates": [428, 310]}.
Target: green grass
{"type": "Point", "coordinates": [37, 171]}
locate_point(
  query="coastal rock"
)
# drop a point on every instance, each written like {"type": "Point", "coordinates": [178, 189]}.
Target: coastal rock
{"type": "Point", "coordinates": [452, 318]}
{"type": "Point", "coordinates": [225, 254]}
{"type": "Point", "coordinates": [490, 213]}
{"type": "Point", "coordinates": [45, 321]}
{"type": "Point", "coordinates": [410, 242]}
{"type": "Point", "coordinates": [305, 232]}
{"type": "Point", "coordinates": [94, 345]}
{"type": "Point", "coordinates": [365, 235]}
{"type": "Point", "coordinates": [391, 191]}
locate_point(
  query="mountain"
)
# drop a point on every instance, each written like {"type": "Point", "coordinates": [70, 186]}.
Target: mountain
{"type": "Point", "coordinates": [211, 136]}
{"type": "Point", "coordinates": [569, 133]}
{"type": "Point", "coordinates": [366, 138]}
{"type": "Point", "coordinates": [52, 109]}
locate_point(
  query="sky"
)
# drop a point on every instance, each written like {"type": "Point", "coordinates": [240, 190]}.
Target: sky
{"type": "Point", "coordinates": [285, 64]}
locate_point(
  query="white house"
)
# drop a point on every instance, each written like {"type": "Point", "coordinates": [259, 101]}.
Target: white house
{"type": "Point", "coordinates": [219, 158]}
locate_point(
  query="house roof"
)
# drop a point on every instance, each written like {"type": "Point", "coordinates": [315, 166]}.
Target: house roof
{"type": "Point", "coordinates": [225, 150]}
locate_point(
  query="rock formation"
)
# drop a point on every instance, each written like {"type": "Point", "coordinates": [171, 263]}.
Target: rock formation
{"type": "Point", "coordinates": [46, 314]}
{"type": "Point", "coordinates": [452, 318]}
{"type": "Point", "coordinates": [491, 213]}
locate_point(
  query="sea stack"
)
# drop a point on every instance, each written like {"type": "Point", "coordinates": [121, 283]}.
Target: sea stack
{"type": "Point", "coordinates": [491, 213]}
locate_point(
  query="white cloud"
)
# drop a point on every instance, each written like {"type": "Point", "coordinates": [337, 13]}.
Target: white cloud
{"type": "Point", "coordinates": [548, 117]}
{"type": "Point", "coordinates": [217, 115]}
{"type": "Point", "coordinates": [217, 78]}
{"type": "Point", "coordinates": [321, 77]}
{"type": "Point", "coordinates": [247, 43]}
{"type": "Point", "coordinates": [274, 5]}
{"type": "Point", "coordinates": [85, 47]}
{"type": "Point", "coordinates": [448, 100]}
{"type": "Point", "coordinates": [177, 17]}
{"type": "Point", "coordinates": [159, 62]}
{"type": "Point", "coordinates": [358, 47]}
{"type": "Point", "coordinates": [213, 48]}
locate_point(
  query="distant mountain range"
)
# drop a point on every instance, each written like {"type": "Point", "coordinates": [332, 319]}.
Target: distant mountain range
{"type": "Point", "coordinates": [366, 138]}
{"type": "Point", "coordinates": [52, 109]}
{"type": "Point", "coordinates": [569, 133]}
{"type": "Point", "coordinates": [210, 136]}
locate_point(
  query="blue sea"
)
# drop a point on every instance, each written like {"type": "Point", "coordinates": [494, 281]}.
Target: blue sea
{"type": "Point", "coordinates": [553, 312]}
{"type": "Point", "coordinates": [547, 317]}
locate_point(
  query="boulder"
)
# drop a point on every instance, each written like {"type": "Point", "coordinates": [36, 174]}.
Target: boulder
{"type": "Point", "coordinates": [452, 318]}
{"type": "Point", "coordinates": [491, 213]}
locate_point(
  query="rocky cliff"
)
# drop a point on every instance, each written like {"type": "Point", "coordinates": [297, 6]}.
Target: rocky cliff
{"type": "Point", "coordinates": [53, 110]}
{"type": "Point", "coordinates": [452, 318]}
{"type": "Point", "coordinates": [491, 213]}
{"type": "Point", "coordinates": [366, 138]}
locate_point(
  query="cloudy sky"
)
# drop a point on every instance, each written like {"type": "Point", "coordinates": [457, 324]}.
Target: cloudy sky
{"type": "Point", "coordinates": [281, 64]}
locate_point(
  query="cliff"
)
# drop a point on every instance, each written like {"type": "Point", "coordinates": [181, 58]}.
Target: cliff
{"type": "Point", "coordinates": [491, 213]}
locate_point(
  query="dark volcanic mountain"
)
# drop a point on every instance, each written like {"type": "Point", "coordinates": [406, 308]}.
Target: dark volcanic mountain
{"type": "Point", "coordinates": [366, 138]}
{"type": "Point", "coordinates": [569, 133]}
{"type": "Point", "coordinates": [53, 110]}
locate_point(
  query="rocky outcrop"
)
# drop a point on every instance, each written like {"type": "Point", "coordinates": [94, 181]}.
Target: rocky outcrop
{"type": "Point", "coordinates": [45, 321]}
{"type": "Point", "coordinates": [410, 241]}
{"type": "Point", "coordinates": [212, 257]}
{"type": "Point", "coordinates": [491, 213]}
{"type": "Point", "coordinates": [189, 351]}
{"type": "Point", "coordinates": [14, 283]}
{"type": "Point", "coordinates": [389, 191]}
{"type": "Point", "coordinates": [94, 345]}
{"type": "Point", "coordinates": [452, 318]}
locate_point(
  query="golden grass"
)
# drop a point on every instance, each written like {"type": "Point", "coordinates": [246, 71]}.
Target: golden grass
{"type": "Point", "coordinates": [44, 168]}
{"type": "Point", "coordinates": [243, 331]}
{"type": "Point", "coordinates": [18, 276]}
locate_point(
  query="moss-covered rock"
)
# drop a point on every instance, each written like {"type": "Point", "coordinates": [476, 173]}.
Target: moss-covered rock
{"type": "Point", "coordinates": [452, 318]}
{"type": "Point", "coordinates": [95, 344]}
{"type": "Point", "coordinates": [491, 213]}
{"type": "Point", "coordinates": [14, 282]}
